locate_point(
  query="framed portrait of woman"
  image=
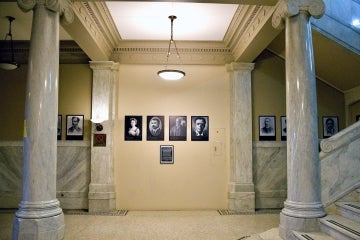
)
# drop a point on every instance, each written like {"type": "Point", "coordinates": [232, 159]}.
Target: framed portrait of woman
{"type": "Point", "coordinates": [133, 128]}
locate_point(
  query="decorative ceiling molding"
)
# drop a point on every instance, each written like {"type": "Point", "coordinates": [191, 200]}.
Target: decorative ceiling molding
{"type": "Point", "coordinates": [250, 30]}
{"type": "Point", "coordinates": [69, 52]}
{"type": "Point", "coordinates": [154, 52]}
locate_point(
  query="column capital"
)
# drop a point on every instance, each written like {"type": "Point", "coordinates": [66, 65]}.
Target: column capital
{"type": "Point", "coordinates": [104, 65]}
{"type": "Point", "coordinates": [236, 66]}
{"type": "Point", "coordinates": [61, 6]}
{"type": "Point", "coordinates": [289, 8]}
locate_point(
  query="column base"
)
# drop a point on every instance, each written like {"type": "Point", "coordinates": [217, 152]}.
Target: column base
{"type": "Point", "coordinates": [241, 197]}
{"type": "Point", "coordinates": [102, 198]}
{"type": "Point", "coordinates": [288, 224]}
{"type": "Point", "coordinates": [49, 228]}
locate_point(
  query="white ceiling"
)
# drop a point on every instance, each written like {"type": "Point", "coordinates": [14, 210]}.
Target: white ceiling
{"type": "Point", "coordinates": [143, 20]}
{"type": "Point", "coordinates": [149, 20]}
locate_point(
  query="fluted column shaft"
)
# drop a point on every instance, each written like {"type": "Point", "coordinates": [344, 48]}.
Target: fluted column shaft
{"type": "Point", "coordinates": [303, 205]}
{"type": "Point", "coordinates": [241, 193]}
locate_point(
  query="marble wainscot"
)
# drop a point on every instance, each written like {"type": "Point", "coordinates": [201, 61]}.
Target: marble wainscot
{"type": "Point", "coordinates": [269, 160]}
{"type": "Point", "coordinates": [73, 174]}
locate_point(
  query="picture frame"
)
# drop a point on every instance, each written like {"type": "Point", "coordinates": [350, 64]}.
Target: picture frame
{"type": "Point", "coordinates": [133, 128]}
{"type": "Point", "coordinates": [166, 154]}
{"type": "Point", "coordinates": [177, 128]}
{"type": "Point", "coordinates": [330, 126]}
{"type": "Point", "coordinates": [283, 128]}
{"type": "Point", "coordinates": [357, 117]}
{"type": "Point", "coordinates": [199, 128]}
{"type": "Point", "coordinates": [155, 128]}
{"type": "Point", "coordinates": [267, 128]}
{"type": "Point", "coordinates": [74, 127]}
{"type": "Point", "coordinates": [59, 127]}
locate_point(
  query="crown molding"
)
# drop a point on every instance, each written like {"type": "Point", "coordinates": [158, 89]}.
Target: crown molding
{"type": "Point", "coordinates": [154, 52]}
{"type": "Point", "coordinates": [69, 52]}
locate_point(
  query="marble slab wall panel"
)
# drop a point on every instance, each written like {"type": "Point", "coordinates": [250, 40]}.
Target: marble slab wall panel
{"type": "Point", "coordinates": [269, 163]}
{"type": "Point", "coordinates": [340, 172]}
{"type": "Point", "coordinates": [10, 174]}
{"type": "Point", "coordinates": [73, 174]}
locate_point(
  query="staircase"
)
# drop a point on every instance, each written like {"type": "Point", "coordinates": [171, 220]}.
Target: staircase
{"type": "Point", "coordinates": [344, 224]}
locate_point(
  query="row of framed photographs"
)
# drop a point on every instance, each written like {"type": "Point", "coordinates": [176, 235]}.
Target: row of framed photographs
{"type": "Point", "coordinates": [155, 128]}
{"type": "Point", "coordinates": [267, 127]}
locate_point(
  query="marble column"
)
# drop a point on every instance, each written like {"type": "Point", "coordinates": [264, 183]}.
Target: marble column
{"type": "Point", "coordinates": [303, 206]}
{"type": "Point", "coordinates": [241, 194]}
{"type": "Point", "coordinates": [102, 188]}
{"type": "Point", "coordinates": [39, 215]}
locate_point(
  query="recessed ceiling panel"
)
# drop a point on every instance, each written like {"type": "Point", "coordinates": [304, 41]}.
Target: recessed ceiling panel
{"type": "Point", "coordinates": [149, 20]}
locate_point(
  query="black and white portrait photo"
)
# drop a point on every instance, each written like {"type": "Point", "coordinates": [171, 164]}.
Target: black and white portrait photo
{"type": "Point", "coordinates": [59, 130]}
{"type": "Point", "coordinates": [330, 126]}
{"type": "Point", "coordinates": [283, 128]}
{"type": "Point", "coordinates": [155, 128]}
{"type": "Point", "coordinates": [267, 130]}
{"type": "Point", "coordinates": [74, 127]}
{"type": "Point", "coordinates": [132, 129]}
{"type": "Point", "coordinates": [199, 128]}
{"type": "Point", "coordinates": [177, 129]}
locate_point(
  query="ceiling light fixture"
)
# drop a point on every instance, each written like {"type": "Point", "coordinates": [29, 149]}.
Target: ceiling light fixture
{"type": "Point", "coordinates": [171, 74]}
{"type": "Point", "coordinates": [11, 65]}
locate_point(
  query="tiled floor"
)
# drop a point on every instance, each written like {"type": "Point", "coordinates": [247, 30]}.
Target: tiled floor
{"type": "Point", "coordinates": [164, 225]}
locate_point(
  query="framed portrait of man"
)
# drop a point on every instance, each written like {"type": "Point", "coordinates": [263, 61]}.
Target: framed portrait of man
{"type": "Point", "coordinates": [155, 128]}
{"type": "Point", "coordinates": [59, 127]}
{"type": "Point", "coordinates": [199, 128]}
{"type": "Point", "coordinates": [330, 126]}
{"type": "Point", "coordinates": [283, 128]}
{"type": "Point", "coordinates": [267, 128]}
{"type": "Point", "coordinates": [133, 128]}
{"type": "Point", "coordinates": [74, 127]}
{"type": "Point", "coordinates": [177, 128]}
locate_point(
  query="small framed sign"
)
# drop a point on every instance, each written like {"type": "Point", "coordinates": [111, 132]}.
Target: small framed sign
{"type": "Point", "coordinates": [166, 154]}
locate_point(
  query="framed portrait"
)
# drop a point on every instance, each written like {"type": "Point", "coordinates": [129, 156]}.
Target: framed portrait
{"type": "Point", "coordinates": [199, 128]}
{"type": "Point", "coordinates": [59, 127]}
{"type": "Point", "coordinates": [283, 128]}
{"type": "Point", "coordinates": [267, 128]}
{"type": "Point", "coordinates": [166, 154]}
{"type": "Point", "coordinates": [155, 128]}
{"type": "Point", "coordinates": [74, 127]}
{"type": "Point", "coordinates": [177, 128]}
{"type": "Point", "coordinates": [357, 118]}
{"type": "Point", "coordinates": [133, 128]}
{"type": "Point", "coordinates": [330, 125]}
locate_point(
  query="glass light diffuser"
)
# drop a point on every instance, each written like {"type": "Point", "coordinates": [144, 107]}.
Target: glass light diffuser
{"type": "Point", "coordinates": [170, 74]}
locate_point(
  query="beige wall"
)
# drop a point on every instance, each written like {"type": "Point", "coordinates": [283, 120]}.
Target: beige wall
{"type": "Point", "coordinates": [268, 91]}
{"type": "Point", "coordinates": [74, 98]}
{"type": "Point", "coordinates": [75, 83]}
{"type": "Point", "coordinates": [198, 178]}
